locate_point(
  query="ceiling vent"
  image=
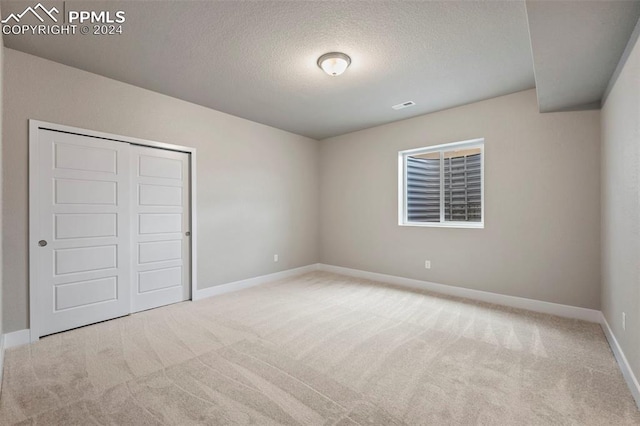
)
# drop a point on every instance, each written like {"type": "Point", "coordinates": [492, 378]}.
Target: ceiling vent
{"type": "Point", "coordinates": [404, 105]}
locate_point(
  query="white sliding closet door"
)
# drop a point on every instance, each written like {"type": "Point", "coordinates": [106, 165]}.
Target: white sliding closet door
{"type": "Point", "coordinates": [161, 227]}
{"type": "Point", "coordinates": [83, 241]}
{"type": "Point", "coordinates": [110, 229]}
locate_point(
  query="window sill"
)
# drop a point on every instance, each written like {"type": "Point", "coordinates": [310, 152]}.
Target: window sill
{"type": "Point", "coordinates": [463, 225]}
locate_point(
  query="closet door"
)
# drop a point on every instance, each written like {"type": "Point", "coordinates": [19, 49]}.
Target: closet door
{"type": "Point", "coordinates": [83, 242]}
{"type": "Point", "coordinates": [161, 227]}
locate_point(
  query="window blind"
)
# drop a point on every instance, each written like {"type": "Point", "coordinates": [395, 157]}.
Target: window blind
{"type": "Point", "coordinates": [462, 189]}
{"type": "Point", "coordinates": [423, 189]}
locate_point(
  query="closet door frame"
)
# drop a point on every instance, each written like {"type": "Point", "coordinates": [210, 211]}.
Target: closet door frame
{"type": "Point", "coordinates": [35, 318]}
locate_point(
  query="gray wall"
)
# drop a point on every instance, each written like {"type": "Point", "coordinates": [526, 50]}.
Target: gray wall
{"type": "Point", "coordinates": [542, 212]}
{"type": "Point", "coordinates": [257, 186]}
{"type": "Point", "coordinates": [258, 189]}
{"type": "Point", "coordinates": [1, 201]}
{"type": "Point", "coordinates": [621, 208]}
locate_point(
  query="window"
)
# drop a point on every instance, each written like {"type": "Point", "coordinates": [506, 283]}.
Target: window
{"type": "Point", "coordinates": [442, 185]}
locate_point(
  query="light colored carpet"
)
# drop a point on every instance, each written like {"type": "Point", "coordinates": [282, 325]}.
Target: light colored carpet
{"type": "Point", "coordinates": [320, 349]}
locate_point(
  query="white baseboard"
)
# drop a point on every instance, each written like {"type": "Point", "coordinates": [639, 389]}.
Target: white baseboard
{"type": "Point", "coordinates": [252, 282]}
{"type": "Point", "coordinates": [629, 377]}
{"type": "Point", "coordinates": [17, 338]}
{"type": "Point", "coordinates": [8, 341]}
{"type": "Point", "coordinates": [566, 311]}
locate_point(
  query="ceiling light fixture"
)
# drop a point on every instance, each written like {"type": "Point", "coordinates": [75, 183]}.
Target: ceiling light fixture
{"type": "Point", "coordinates": [334, 63]}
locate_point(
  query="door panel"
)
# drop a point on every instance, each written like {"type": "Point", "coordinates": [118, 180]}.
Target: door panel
{"type": "Point", "coordinates": [158, 251]}
{"type": "Point", "coordinates": [169, 168]}
{"type": "Point", "coordinates": [158, 223]}
{"type": "Point", "coordinates": [160, 278]}
{"type": "Point", "coordinates": [85, 293]}
{"type": "Point", "coordinates": [160, 195]}
{"type": "Point", "coordinates": [160, 218]}
{"type": "Point", "coordinates": [84, 214]}
{"type": "Point", "coordinates": [76, 191]}
{"type": "Point", "coordinates": [92, 159]}
{"type": "Point", "coordinates": [85, 225]}
{"type": "Point", "coordinates": [84, 259]}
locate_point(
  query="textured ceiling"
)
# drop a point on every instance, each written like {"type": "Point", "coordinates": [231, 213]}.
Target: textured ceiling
{"type": "Point", "coordinates": [257, 60]}
{"type": "Point", "coordinates": [576, 47]}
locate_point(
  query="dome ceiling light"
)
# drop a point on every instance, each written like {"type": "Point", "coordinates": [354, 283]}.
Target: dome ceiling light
{"type": "Point", "coordinates": [334, 63]}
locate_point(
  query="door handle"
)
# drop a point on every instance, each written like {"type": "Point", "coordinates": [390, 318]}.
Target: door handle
{"type": "Point", "coordinates": [42, 243]}
{"type": "Point", "coordinates": [188, 234]}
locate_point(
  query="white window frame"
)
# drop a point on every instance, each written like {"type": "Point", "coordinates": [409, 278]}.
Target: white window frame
{"type": "Point", "coordinates": [402, 184]}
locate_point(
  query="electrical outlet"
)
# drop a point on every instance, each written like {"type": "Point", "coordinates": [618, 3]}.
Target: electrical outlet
{"type": "Point", "coordinates": [427, 264]}
{"type": "Point", "coordinates": [275, 257]}
{"type": "Point", "coordinates": [624, 320]}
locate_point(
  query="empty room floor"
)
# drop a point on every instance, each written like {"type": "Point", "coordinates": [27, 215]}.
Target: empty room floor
{"type": "Point", "coordinates": [320, 349]}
